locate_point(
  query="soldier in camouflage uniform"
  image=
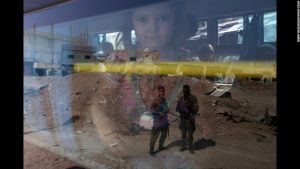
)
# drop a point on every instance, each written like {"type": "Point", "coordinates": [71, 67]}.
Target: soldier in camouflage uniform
{"type": "Point", "coordinates": [160, 110]}
{"type": "Point", "coordinates": [187, 106]}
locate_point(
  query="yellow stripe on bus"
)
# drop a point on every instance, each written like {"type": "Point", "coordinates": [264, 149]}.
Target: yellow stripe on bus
{"type": "Point", "coordinates": [240, 69]}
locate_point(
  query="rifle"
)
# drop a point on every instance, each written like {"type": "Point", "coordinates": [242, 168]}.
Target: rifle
{"type": "Point", "coordinates": [177, 116]}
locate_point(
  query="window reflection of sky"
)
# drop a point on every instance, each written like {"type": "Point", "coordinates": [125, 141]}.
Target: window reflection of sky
{"type": "Point", "coordinates": [270, 27]}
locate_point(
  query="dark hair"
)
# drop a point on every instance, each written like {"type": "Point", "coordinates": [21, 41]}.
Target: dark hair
{"type": "Point", "coordinates": [186, 87]}
{"type": "Point", "coordinates": [182, 18]}
{"type": "Point", "coordinates": [107, 47]}
{"type": "Point", "coordinates": [205, 50]}
{"type": "Point", "coordinates": [161, 87]}
{"type": "Point", "coordinates": [266, 52]}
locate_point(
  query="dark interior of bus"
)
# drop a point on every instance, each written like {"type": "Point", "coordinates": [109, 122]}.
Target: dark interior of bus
{"type": "Point", "coordinates": [227, 25]}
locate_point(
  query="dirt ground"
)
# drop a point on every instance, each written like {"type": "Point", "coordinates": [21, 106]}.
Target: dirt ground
{"type": "Point", "coordinates": [90, 120]}
{"type": "Point", "coordinates": [34, 155]}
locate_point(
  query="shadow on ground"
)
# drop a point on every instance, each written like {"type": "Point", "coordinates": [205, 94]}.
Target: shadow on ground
{"type": "Point", "coordinates": [75, 167]}
{"type": "Point", "coordinates": [203, 143]}
{"type": "Point", "coordinates": [198, 145]}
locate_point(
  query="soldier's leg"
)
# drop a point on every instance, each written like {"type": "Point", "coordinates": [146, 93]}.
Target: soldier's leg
{"type": "Point", "coordinates": [163, 136]}
{"type": "Point", "coordinates": [183, 139]}
{"type": "Point", "coordinates": [154, 135]}
{"type": "Point", "coordinates": [190, 133]}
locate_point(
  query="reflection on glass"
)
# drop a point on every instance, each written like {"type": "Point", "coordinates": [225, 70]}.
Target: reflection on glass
{"type": "Point", "coordinates": [270, 27]}
{"type": "Point", "coordinates": [102, 117]}
{"type": "Point", "coordinates": [229, 30]}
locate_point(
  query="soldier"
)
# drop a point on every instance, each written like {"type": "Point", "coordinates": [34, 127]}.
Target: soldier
{"type": "Point", "coordinates": [160, 110]}
{"type": "Point", "coordinates": [187, 106]}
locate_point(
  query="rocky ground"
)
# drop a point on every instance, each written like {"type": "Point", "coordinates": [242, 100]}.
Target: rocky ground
{"type": "Point", "coordinates": [89, 120]}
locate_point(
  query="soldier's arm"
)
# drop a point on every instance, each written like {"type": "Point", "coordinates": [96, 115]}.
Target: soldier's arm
{"type": "Point", "coordinates": [178, 104]}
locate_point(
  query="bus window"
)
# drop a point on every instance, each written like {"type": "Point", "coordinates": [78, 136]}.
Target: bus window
{"type": "Point", "coordinates": [270, 27]}
{"type": "Point", "coordinates": [201, 32]}
{"type": "Point", "coordinates": [101, 37]}
{"type": "Point", "coordinates": [133, 37]}
{"type": "Point", "coordinates": [229, 31]}
{"type": "Point", "coordinates": [111, 37]}
{"type": "Point", "coordinates": [228, 58]}
{"type": "Point", "coordinates": [100, 107]}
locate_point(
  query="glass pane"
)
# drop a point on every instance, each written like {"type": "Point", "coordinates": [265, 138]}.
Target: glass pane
{"type": "Point", "coordinates": [93, 95]}
{"type": "Point", "coordinates": [270, 29]}
{"type": "Point", "coordinates": [111, 37]}
{"type": "Point", "coordinates": [201, 31]}
{"type": "Point", "coordinates": [229, 31]}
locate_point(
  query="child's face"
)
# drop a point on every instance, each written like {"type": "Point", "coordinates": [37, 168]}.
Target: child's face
{"type": "Point", "coordinates": [153, 26]}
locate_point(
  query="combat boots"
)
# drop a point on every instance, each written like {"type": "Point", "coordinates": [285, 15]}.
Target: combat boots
{"type": "Point", "coordinates": [160, 148]}
{"type": "Point", "coordinates": [183, 146]}
{"type": "Point", "coordinates": [151, 151]}
{"type": "Point", "coordinates": [191, 150]}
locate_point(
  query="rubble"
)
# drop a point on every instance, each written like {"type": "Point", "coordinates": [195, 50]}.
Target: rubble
{"type": "Point", "coordinates": [113, 145]}
{"type": "Point", "coordinates": [72, 120]}
{"type": "Point", "coordinates": [269, 119]}
{"type": "Point", "coordinates": [99, 101]}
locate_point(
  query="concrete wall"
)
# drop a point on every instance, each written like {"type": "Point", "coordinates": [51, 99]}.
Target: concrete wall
{"type": "Point", "coordinates": [47, 48]}
{"type": "Point", "coordinates": [28, 68]}
{"type": "Point", "coordinates": [43, 48]}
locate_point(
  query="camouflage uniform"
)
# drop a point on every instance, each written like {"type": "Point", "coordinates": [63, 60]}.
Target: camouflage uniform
{"type": "Point", "coordinates": [160, 123]}
{"type": "Point", "coordinates": [187, 108]}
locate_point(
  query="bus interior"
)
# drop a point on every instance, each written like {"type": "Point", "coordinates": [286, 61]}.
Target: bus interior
{"type": "Point", "coordinates": [88, 86]}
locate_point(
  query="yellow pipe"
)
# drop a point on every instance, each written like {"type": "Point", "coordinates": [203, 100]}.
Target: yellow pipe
{"type": "Point", "coordinates": [240, 69]}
